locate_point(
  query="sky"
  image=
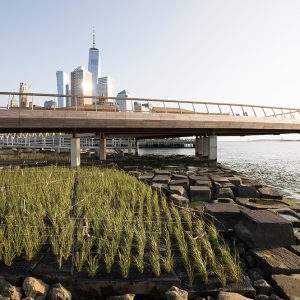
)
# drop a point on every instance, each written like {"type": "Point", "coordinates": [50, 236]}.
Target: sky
{"type": "Point", "coordinates": [241, 51]}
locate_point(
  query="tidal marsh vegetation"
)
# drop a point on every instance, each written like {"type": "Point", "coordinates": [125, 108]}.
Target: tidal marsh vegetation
{"type": "Point", "coordinates": [114, 224]}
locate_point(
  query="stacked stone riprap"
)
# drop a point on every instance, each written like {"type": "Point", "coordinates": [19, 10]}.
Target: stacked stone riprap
{"type": "Point", "coordinates": [33, 288]}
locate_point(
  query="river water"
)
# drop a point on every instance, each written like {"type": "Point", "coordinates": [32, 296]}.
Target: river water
{"type": "Point", "coordinates": [275, 163]}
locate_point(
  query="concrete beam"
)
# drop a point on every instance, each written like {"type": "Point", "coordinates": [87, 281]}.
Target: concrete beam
{"type": "Point", "coordinates": [102, 148]}
{"type": "Point", "coordinates": [205, 146]}
{"type": "Point", "coordinates": [75, 152]}
{"type": "Point", "coordinates": [213, 148]}
{"type": "Point", "coordinates": [129, 146]}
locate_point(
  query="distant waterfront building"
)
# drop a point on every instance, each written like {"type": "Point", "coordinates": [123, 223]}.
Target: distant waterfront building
{"type": "Point", "coordinates": [63, 88]}
{"type": "Point", "coordinates": [94, 65]}
{"type": "Point", "coordinates": [81, 85]}
{"type": "Point", "coordinates": [23, 99]}
{"type": "Point", "coordinates": [50, 104]}
{"type": "Point", "coordinates": [137, 106]}
{"type": "Point", "coordinates": [123, 105]}
{"type": "Point", "coordinates": [105, 87]}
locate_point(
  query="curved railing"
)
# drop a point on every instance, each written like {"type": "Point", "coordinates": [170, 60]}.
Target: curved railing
{"type": "Point", "coordinates": [35, 101]}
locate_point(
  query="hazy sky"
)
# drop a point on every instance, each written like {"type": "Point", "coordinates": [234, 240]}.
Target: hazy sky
{"type": "Point", "coordinates": [244, 51]}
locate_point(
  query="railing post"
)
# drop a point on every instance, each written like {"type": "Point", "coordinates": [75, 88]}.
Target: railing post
{"type": "Point", "coordinates": [193, 107]}
{"type": "Point", "coordinates": [231, 110]}
{"type": "Point", "coordinates": [264, 111]}
{"type": "Point", "coordinates": [179, 107]}
{"type": "Point", "coordinates": [206, 108]}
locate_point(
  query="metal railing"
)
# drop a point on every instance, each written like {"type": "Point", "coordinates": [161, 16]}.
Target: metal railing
{"type": "Point", "coordinates": [35, 101]}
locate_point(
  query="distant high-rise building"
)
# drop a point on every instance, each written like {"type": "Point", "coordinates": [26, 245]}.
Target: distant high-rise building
{"type": "Point", "coordinates": [123, 104]}
{"type": "Point", "coordinates": [63, 87]}
{"type": "Point", "coordinates": [23, 99]}
{"type": "Point", "coordinates": [81, 85]}
{"type": "Point", "coordinates": [94, 65]}
{"type": "Point", "coordinates": [105, 87]}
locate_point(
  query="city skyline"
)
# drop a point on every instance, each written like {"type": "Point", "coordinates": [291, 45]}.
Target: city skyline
{"type": "Point", "coordinates": [218, 50]}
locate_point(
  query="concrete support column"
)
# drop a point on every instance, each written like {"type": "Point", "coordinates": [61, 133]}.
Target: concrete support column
{"type": "Point", "coordinates": [102, 147]}
{"type": "Point", "coordinates": [75, 152]}
{"type": "Point", "coordinates": [205, 141]}
{"type": "Point", "coordinates": [199, 146]}
{"type": "Point", "coordinates": [129, 146]}
{"type": "Point", "coordinates": [136, 148]}
{"type": "Point", "coordinates": [213, 148]}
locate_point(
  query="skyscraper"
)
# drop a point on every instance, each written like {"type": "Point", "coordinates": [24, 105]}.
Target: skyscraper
{"type": "Point", "coordinates": [63, 87]}
{"type": "Point", "coordinates": [81, 85]}
{"type": "Point", "coordinates": [23, 99]}
{"type": "Point", "coordinates": [105, 87]}
{"type": "Point", "coordinates": [123, 105]}
{"type": "Point", "coordinates": [94, 65]}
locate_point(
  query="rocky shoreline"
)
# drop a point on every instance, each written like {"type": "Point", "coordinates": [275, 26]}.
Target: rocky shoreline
{"type": "Point", "coordinates": [256, 220]}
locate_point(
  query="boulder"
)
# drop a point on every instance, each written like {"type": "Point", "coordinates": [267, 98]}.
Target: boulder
{"type": "Point", "coordinates": [200, 193]}
{"type": "Point", "coordinates": [58, 292]}
{"type": "Point", "coordinates": [174, 293]}
{"type": "Point", "coordinates": [288, 286]}
{"type": "Point", "coordinates": [231, 296]}
{"type": "Point", "coordinates": [4, 284]}
{"type": "Point", "coordinates": [247, 191]}
{"type": "Point", "coordinates": [122, 297]}
{"type": "Point", "coordinates": [269, 193]}
{"type": "Point", "coordinates": [225, 193]}
{"type": "Point", "coordinates": [12, 292]}
{"type": "Point", "coordinates": [262, 287]}
{"type": "Point", "coordinates": [35, 288]}
{"type": "Point", "coordinates": [219, 179]}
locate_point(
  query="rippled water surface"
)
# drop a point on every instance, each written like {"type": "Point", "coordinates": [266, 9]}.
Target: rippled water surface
{"type": "Point", "coordinates": [276, 163]}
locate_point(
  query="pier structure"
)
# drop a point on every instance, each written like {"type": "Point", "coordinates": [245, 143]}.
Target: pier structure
{"type": "Point", "coordinates": [150, 119]}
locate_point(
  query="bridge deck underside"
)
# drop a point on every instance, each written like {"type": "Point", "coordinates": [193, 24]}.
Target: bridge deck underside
{"type": "Point", "coordinates": [142, 125]}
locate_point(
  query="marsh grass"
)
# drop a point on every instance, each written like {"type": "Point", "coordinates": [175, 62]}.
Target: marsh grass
{"type": "Point", "coordinates": [115, 219]}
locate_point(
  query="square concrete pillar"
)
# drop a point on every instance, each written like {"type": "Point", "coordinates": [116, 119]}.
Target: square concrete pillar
{"type": "Point", "coordinates": [199, 146]}
{"type": "Point", "coordinates": [136, 148]}
{"type": "Point", "coordinates": [75, 152]}
{"type": "Point", "coordinates": [129, 146]}
{"type": "Point", "coordinates": [213, 148]}
{"type": "Point", "coordinates": [205, 146]}
{"type": "Point", "coordinates": [102, 148]}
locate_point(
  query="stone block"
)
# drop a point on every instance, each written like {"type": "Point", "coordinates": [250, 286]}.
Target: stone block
{"type": "Point", "coordinates": [180, 182]}
{"type": "Point", "coordinates": [146, 178]}
{"type": "Point", "coordinates": [226, 213]}
{"type": "Point", "coordinates": [165, 179]}
{"type": "Point", "coordinates": [247, 191]}
{"type": "Point", "coordinates": [288, 286]}
{"type": "Point", "coordinates": [264, 229]}
{"type": "Point", "coordinates": [179, 190]}
{"type": "Point", "coordinates": [178, 177]}
{"type": "Point", "coordinates": [162, 172]}
{"type": "Point", "coordinates": [269, 193]}
{"type": "Point", "coordinates": [194, 178]}
{"type": "Point", "coordinates": [179, 200]}
{"type": "Point", "coordinates": [134, 173]}
{"type": "Point", "coordinates": [277, 261]}
{"type": "Point", "coordinates": [203, 183]}
{"type": "Point", "coordinates": [224, 193]}
{"type": "Point", "coordinates": [235, 180]}
{"type": "Point", "coordinates": [200, 193]}
{"type": "Point", "coordinates": [219, 179]}
{"type": "Point", "coordinates": [159, 187]}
